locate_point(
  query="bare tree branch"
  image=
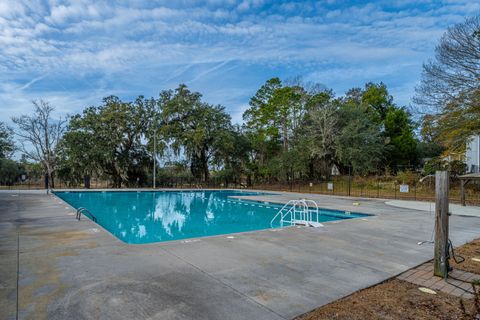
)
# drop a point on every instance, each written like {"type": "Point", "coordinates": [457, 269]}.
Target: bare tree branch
{"type": "Point", "coordinates": [455, 69]}
{"type": "Point", "coordinates": [450, 86]}
{"type": "Point", "coordinates": [39, 135]}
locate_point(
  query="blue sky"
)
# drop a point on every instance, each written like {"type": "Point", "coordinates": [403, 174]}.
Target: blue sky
{"type": "Point", "coordinates": [73, 53]}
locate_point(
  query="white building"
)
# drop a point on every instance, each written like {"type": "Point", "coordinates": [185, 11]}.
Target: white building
{"type": "Point", "coordinates": [472, 154]}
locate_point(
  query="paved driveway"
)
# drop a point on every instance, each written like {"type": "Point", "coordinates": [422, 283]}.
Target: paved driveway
{"type": "Point", "coordinates": [72, 269]}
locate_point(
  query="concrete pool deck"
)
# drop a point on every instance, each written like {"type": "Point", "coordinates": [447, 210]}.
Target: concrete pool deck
{"type": "Point", "coordinates": [71, 269]}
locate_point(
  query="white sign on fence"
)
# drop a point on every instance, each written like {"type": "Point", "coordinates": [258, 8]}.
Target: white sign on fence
{"type": "Point", "coordinates": [404, 188]}
{"type": "Point", "coordinates": [330, 186]}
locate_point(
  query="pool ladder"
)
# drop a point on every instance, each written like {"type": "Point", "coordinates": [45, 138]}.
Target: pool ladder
{"type": "Point", "coordinates": [85, 210]}
{"type": "Point", "coordinates": [298, 212]}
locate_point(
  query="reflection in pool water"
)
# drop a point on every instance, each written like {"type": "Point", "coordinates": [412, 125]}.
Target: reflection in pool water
{"type": "Point", "coordinates": [148, 216]}
{"type": "Point", "coordinates": [142, 217]}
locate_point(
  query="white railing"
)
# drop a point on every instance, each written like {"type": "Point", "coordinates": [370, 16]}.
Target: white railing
{"type": "Point", "coordinates": [298, 212]}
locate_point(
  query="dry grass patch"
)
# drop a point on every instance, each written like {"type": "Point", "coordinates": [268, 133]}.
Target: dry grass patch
{"type": "Point", "coordinates": [400, 300]}
{"type": "Point", "coordinates": [471, 253]}
{"type": "Point", "coordinates": [394, 300]}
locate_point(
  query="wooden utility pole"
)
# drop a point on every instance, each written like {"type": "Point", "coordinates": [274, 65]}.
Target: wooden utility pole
{"type": "Point", "coordinates": [440, 262]}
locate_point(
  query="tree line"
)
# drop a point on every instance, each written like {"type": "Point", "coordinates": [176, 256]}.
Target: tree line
{"type": "Point", "coordinates": [291, 130]}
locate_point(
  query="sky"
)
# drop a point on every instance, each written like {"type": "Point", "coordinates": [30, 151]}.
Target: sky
{"type": "Point", "coordinates": [74, 53]}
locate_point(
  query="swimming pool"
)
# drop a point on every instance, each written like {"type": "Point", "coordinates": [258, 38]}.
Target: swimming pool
{"type": "Point", "coordinates": [137, 217]}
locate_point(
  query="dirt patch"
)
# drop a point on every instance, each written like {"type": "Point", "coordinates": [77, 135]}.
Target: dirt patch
{"type": "Point", "coordinates": [469, 251]}
{"type": "Point", "coordinates": [393, 300]}
{"type": "Point", "coordinates": [398, 300]}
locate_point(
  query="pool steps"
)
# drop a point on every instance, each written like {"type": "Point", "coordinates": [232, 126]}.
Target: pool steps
{"type": "Point", "coordinates": [298, 212]}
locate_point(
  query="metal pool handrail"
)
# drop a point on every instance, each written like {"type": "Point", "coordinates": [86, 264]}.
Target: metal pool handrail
{"type": "Point", "coordinates": [307, 207]}
{"type": "Point", "coordinates": [292, 204]}
{"type": "Point", "coordinates": [83, 210]}
{"type": "Point", "coordinates": [298, 207]}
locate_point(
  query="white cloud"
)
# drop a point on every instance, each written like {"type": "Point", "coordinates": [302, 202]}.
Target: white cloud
{"type": "Point", "coordinates": [193, 42]}
{"type": "Point", "coordinates": [11, 8]}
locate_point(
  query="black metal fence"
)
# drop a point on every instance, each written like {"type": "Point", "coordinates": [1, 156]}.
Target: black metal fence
{"type": "Point", "coordinates": [387, 187]}
{"type": "Point", "coordinates": [377, 189]}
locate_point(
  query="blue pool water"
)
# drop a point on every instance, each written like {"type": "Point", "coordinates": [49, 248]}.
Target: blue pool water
{"type": "Point", "coordinates": [154, 216]}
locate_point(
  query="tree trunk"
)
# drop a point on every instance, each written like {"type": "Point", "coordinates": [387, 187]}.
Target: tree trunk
{"type": "Point", "coordinates": [204, 164]}
{"type": "Point", "coordinates": [117, 182]}
{"type": "Point", "coordinates": [51, 178]}
{"type": "Point", "coordinates": [249, 180]}
{"type": "Point", "coordinates": [51, 183]}
{"type": "Point", "coordinates": [206, 172]}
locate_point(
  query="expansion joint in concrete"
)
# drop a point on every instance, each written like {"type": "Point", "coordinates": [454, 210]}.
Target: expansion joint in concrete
{"type": "Point", "coordinates": [224, 283]}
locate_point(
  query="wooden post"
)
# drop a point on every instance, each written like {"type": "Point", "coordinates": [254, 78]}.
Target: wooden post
{"type": "Point", "coordinates": [440, 262]}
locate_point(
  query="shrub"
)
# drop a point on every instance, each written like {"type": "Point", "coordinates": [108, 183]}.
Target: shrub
{"type": "Point", "coordinates": [407, 177]}
{"type": "Point", "coordinates": [433, 165]}
{"type": "Point", "coordinates": [9, 171]}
